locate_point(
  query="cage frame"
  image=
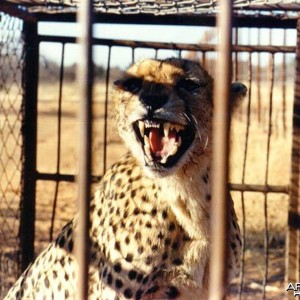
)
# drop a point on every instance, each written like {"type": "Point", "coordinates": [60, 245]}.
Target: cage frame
{"type": "Point", "coordinates": [31, 175]}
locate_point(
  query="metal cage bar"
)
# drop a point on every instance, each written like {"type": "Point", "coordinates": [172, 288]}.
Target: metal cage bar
{"type": "Point", "coordinates": [239, 187]}
{"type": "Point", "coordinates": [85, 76]}
{"type": "Point", "coordinates": [245, 156]}
{"type": "Point", "coordinates": [107, 80]}
{"type": "Point", "coordinates": [266, 221]}
{"type": "Point", "coordinates": [58, 149]}
{"type": "Point", "coordinates": [171, 46]}
{"type": "Point", "coordinates": [293, 238]}
{"type": "Point", "coordinates": [219, 235]}
{"type": "Point", "coordinates": [29, 130]}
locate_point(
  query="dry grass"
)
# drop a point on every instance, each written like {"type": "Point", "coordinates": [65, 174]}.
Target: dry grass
{"type": "Point", "coordinates": [279, 165]}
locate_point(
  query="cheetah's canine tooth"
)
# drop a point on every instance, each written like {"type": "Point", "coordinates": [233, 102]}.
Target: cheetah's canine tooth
{"type": "Point", "coordinates": [166, 129]}
{"type": "Point", "coordinates": [142, 128]}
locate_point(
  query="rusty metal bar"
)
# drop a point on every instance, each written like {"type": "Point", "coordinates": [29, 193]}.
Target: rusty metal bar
{"type": "Point", "coordinates": [171, 46]}
{"type": "Point", "coordinates": [204, 59]}
{"type": "Point", "coordinates": [256, 188]}
{"type": "Point", "coordinates": [207, 19]}
{"type": "Point", "coordinates": [156, 54]}
{"type": "Point", "coordinates": [244, 175]}
{"type": "Point", "coordinates": [63, 177]}
{"type": "Point", "coordinates": [219, 235]}
{"type": "Point", "coordinates": [58, 149]}
{"type": "Point", "coordinates": [293, 238]}
{"type": "Point", "coordinates": [106, 111]}
{"type": "Point", "coordinates": [246, 5]}
{"type": "Point", "coordinates": [266, 221]}
{"type": "Point", "coordinates": [258, 77]}
{"type": "Point", "coordinates": [85, 81]}
{"type": "Point", "coordinates": [284, 84]}
{"type": "Point", "coordinates": [281, 189]}
{"type": "Point", "coordinates": [236, 65]}
{"type": "Point", "coordinates": [132, 55]}
{"type": "Point", "coordinates": [29, 131]}
{"type": "Point", "coordinates": [271, 6]}
{"type": "Point", "coordinates": [180, 54]}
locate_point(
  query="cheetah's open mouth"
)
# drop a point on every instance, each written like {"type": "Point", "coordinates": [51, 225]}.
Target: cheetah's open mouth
{"type": "Point", "coordinates": [163, 142]}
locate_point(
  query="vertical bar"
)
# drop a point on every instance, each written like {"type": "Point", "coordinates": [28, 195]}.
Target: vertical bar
{"type": "Point", "coordinates": [85, 82]}
{"type": "Point", "coordinates": [132, 55]}
{"type": "Point", "coordinates": [29, 131]}
{"type": "Point", "coordinates": [106, 111]}
{"type": "Point", "coordinates": [236, 55]}
{"type": "Point", "coordinates": [258, 76]}
{"type": "Point", "coordinates": [284, 83]}
{"type": "Point", "coordinates": [58, 149]}
{"type": "Point", "coordinates": [219, 224]}
{"type": "Point", "coordinates": [204, 62]}
{"type": "Point", "coordinates": [292, 239]}
{"type": "Point", "coordinates": [244, 175]}
{"type": "Point", "coordinates": [266, 227]}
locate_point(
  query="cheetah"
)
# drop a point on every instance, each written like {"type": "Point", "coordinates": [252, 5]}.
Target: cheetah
{"type": "Point", "coordinates": [150, 215]}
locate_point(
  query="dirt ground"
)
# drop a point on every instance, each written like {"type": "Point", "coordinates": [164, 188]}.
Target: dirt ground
{"type": "Point", "coordinates": [252, 208]}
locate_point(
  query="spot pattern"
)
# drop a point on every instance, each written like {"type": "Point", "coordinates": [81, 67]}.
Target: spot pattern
{"type": "Point", "coordinates": [142, 245]}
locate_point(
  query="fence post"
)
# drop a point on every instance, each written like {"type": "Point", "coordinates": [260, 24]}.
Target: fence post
{"type": "Point", "coordinates": [218, 268]}
{"type": "Point", "coordinates": [293, 234]}
{"type": "Point", "coordinates": [85, 81]}
{"type": "Point", "coordinates": [29, 133]}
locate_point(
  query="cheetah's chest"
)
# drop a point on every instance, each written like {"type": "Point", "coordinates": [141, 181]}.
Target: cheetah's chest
{"type": "Point", "coordinates": [139, 240]}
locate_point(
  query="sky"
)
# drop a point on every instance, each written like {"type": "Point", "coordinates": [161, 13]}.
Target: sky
{"type": "Point", "coordinates": [121, 57]}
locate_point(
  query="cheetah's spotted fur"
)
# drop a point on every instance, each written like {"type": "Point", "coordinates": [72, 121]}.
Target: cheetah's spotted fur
{"type": "Point", "coordinates": [150, 214]}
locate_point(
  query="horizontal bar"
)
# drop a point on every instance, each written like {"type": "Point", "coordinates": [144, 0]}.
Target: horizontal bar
{"type": "Point", "coordinates": [282, 189]}
{"type": "Point", "coordinates": [270, 7]}
{"type": "Point", "coordinates": [63, 177]}
{"type": "Point", "coordinates": [233, 186]}
{"type": "Point", "coordinates": [203, 19]}
{"type": "Point", "coordinates": [170, 46]}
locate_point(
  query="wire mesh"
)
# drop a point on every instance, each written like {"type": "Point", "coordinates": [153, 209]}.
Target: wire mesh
{"type": "Point", "coordinates": [11, 160]}
{"type": "Point", "coordinates": [156, 7]}
{"type": "Point", "coordinates": [58, 110]}
{"type": "Point", "coordinates": [251, 189]}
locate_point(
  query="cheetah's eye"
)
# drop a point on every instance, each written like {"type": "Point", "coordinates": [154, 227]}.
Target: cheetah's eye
{"type": "Point", "coordinates": [132, 85]}
{"type": "Point", "coordinates": [189, 86]}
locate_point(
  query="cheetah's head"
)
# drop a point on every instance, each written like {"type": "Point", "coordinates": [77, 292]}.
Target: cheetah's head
{"type": "Point", "coordinates": [164, 112]}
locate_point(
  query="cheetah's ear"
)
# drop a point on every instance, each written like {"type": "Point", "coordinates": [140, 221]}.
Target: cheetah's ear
{"type": "Point", "coordinates": [238, 93]}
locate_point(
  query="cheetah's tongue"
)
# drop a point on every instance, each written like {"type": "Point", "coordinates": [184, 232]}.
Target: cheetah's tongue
{"type": "Point", "coordinates": [160, 145]}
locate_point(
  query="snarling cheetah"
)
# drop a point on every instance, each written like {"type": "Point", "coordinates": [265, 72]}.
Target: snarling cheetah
{"type": "Point", "coordinates": [150, 228]}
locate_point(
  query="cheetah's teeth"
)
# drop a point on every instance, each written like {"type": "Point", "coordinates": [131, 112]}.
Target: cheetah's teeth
{"type": "Point", "coordinates": [173, 151]}
{"type": "Point", "coordinates": [142, 128]}
{"type": "Point", "coordinates": [149, 124]}
{"type": "Point", "coordinates": [177, 127]}
{"type": "Point", "coordinates": [147, 141]}
{"type": "Point", "coordinates": [179, 142]}
{"type": "Point", "coordinates": [166, 129]}
{"type": "Point", "coordinates": [164, 160]}
{"type": "Point", "coordinates": [147, 146]}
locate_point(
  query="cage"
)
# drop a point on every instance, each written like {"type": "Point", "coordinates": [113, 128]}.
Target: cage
{"type": "Point", "coordinates": [39, 103]}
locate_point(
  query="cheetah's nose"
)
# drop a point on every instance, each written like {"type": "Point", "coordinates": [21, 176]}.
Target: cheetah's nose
{"type": "Point", "coordinates": [153, 102]}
